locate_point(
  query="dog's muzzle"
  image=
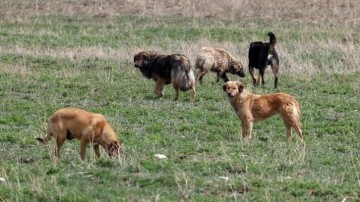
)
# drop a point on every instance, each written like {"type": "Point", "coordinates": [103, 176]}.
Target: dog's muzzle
{"type": "Point", "coordinates": [114, 150]}
{"type": "Point", "coordinates": [241, 74]}
{"type": "Point", "coordinates": [138, 64]}
{"type": "Point", "coordinates": [229, 94]}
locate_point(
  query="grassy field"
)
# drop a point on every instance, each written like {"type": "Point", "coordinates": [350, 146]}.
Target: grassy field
{"type": "Point", "coordinates": [56, 55]}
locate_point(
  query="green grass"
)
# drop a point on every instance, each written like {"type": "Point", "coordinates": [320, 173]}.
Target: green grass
{"type": "Point", "coordinates": [201, 139]}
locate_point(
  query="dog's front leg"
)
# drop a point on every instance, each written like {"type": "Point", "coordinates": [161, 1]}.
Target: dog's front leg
{"type": "Point", "coordinates": [221, 75]}
{"type": "Point", "coordinates": [60, 139]}
{"type": "Point", "coordinates": [83, 145]}
{"type": "Point", "coordinates": [200, 74]}
{"type": "Point", "coordinates": [159, 88]}
{"type": "Point", "coordinates": [247, 126]}
{"type": "Point", "coordinates": [97, 150]}
{"type": "Point", "coordinates": [193, 93]}
{"type": "Point", "coordinates": [224, 77]}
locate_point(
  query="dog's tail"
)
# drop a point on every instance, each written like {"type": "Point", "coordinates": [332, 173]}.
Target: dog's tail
{"type": "Point", "coordinates": [186, 79]}
{"type": "Point", "coordinates": [272, 38]}
{"type": "Point", "coordinates": [183, 77]}
{"type": "Point", "coordinates": [297, 112]}
{"type": "Point", "coordinates": [199, 63]}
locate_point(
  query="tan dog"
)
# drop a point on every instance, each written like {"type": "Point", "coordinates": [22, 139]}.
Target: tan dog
{"type": "Point", "coordinates": [217, 60]}
{"type": "Point", "coordinates": [252, 108]}
{"type": "Point", "coordinates": [69, 123]}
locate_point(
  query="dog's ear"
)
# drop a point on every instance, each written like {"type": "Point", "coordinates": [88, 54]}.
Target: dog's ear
{"type": "Point", "coordinates": [224, 87]}
{"type": "Point", "coordinates": [241, 87]}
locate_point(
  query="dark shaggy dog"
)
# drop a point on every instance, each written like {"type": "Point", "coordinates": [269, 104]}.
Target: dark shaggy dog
{"type": "Point", "coordinates": [260, 56]}
{"type": "Point", "coordinates": [217, 60]}
{"type": "Point", "coordinates": [166, 69]}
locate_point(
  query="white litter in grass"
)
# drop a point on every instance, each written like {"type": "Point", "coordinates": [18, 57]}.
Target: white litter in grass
{"type": "Point", "coordinates": [224, 178]}
{"type": "Point", "coordinates": [2, 179]}
{"type": "Point", "coordinates": [160, 156]}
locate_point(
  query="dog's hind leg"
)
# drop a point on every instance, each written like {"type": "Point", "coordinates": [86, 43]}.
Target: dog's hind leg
{"type": "Point", "coordinates": [288, 129]}
{"type": "Point", "coordinates": [297, 127]}
{"type": "Point", "coordinates": [293, 124]}
{"type": "Point", "coordinates": [177, 91]}
{"type": "Point", "coordinates": [252, 73]}
{"type": "Point", "coordinates": [261, 72]}
{"type": "Point", "coordinates": [275, 70]}
{"type": "Point", "coordinates": [296, 119]}
{"type": "Point", "coordinates": [290, 122]}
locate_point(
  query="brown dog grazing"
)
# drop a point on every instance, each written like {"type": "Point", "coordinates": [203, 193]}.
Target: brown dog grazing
{"type": "Point", "coordinates": [69, 123]}
{"type": "Point", "coordinates": [166, 69]}
{"type": "Point", "coordinates": [217, 60]}
{"type": "Point", "coordinates": [252, 108]}
{"type": "Point", "coordinates": [260, 56]}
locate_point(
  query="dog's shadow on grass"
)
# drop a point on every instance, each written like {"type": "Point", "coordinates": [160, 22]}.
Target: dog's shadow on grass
{"type": "Point", "coordinates": [150, 98]}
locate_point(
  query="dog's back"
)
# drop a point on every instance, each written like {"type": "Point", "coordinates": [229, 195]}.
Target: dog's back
{"type": "Point", "coordinates": [217, 60]}
{"type": "Point", "coordinates": [259, 52]}
{"type": "Point", "coordinates": [211, 58]}
{"type": "Point", "coordinates": [71, 120]}
{"type": "Point", "coordinates": [255, 50]}
{"type": "Point", "coordinates": [163, 65]}
{"type": "Point", "coordinates": [275, 103]}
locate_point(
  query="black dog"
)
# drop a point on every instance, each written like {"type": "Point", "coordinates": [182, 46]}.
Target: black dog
{"type": "Point", "coordinates": [260, 56]}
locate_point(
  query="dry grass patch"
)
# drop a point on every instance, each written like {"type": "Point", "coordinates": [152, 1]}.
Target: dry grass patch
{"type": "Point", "coordinates": [333, 11]}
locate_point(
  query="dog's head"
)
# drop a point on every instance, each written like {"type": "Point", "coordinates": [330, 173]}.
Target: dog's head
{"type": "Point", "coordinates": [237, 68]}
{"type": "Point", "coordinates": [233, 88]}
{"type": "Point", "coordinates": [114, 149]}
{"type": "Point", "coordinates": [142, 58]}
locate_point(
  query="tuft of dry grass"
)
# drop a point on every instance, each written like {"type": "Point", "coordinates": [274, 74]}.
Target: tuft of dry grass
{"type": "Point", "coordinates": [319, 11]}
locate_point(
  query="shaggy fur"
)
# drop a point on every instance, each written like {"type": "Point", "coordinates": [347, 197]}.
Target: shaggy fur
{"type": "Point", "coordinates": [166, 69]}
{"type": "Point", "coordinates": [217, 60]}
{"type": "Point", "coordinates": [260, 56]}
{"type": "Point", "coordinates": [252, 108]}
{"type": "Point", "coordinates": [69, 123]}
